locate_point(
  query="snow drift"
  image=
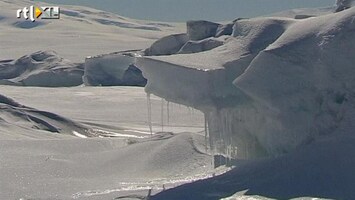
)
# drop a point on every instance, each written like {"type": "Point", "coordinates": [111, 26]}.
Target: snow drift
{"type": "Point", "coordinates": [42, 68]}
{"type": "Point", "coordinates": [19, 121]}
{"type": "Point", "coordinates": [323, 170]}
{"type": "Point", "coordinates": [275, 86]}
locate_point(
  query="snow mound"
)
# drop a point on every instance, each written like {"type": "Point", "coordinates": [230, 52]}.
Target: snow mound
{"type": "Point", "coordinates": [18, 121]}
{"type": "Point", "coordinates": [111, 70]}
{"type": "Point", "coordinates": [293, 83]}
{"type": "Point", "coordinates": [42, 68]}
{"type": "Point", "coordinates": [168, 45]}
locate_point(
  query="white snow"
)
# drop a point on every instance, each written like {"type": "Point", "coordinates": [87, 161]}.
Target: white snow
{"type": "Point", "coordinates": [42, 68]}
{"type": "Point", "coordinates": [168, 45]}
{"type": "Point", "coordinates": [111, 70]}
{"type": "Point", "coordinates": [73, 36]}
{"type": "Point", "coordinates": [275, 61]}
{"type": "Point", "coordinates": [200, 29]}
{"type": "Point", "coordinates": [279, 87]}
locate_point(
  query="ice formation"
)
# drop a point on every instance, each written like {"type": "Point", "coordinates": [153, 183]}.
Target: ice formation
{"type": "Point", "coordinates": [274, 86]}
{"type": "Point", "coordinates": [112, 69]}
{"type": "Point", "coordinates": [198, 30]}
{"type": "Point", "coordinates": [168, 45]}
{"type": "Point", "coordinates": [343, 4]}
{"type": "Point", "coordinates": [42, 68]}
{"type": "Point", "coordinates": [203, 45]}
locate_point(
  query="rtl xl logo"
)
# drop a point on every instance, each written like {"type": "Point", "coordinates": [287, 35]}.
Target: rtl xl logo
{"type": "Point", "coordinates": [34, 12]}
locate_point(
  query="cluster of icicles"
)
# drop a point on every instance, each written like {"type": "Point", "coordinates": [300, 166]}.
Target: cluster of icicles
{"type": "Point", "coordinates": [217, 130]}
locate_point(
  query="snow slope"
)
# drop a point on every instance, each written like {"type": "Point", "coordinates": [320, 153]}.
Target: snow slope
{"type": "Point", "coordinates": [20, 122]}
{"type": "Point", "coordinates": [271, 62]}
{"type": "Point", "coordinates": [120, 159]}
{"type": "Point", "coordinates": [323, 170]}
{"type": "Point", "coordinates": [121, 111]}
{"type": "Point", "coordinates": [98, 168]}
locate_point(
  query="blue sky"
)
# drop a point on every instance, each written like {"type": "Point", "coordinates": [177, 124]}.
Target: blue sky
{"type": "Point", "coordinates": [182, 10]}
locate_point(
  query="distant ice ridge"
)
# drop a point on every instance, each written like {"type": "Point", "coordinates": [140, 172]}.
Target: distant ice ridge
{"type": "Point", "coordinates": [48, 69]}
{"type": "Point", "coordinates": [42, 68]}
{"type": "Point", "coordinates": [274, 86]}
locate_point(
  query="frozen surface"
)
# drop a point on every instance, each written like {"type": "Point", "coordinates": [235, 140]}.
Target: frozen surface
{"type": "Point", "coordinates": [168, 45]}
{"type": "Point", "coordinates": [98, 168]}
{"type": "Point", "coordinates": [73, 36]}
{"type": "Point", "coordinates": [124, 159]}
{"type": "Point", "coordinates": [276, 85]}
{"type": "Point", "coordinates": [116, 109]}
{"type": "Point", "coordinates": [323, 170]}
{"type": "Point", "coordinates": [203, 45]}
{"type": "Point", "coordinates": [22, 122]}
{"type": "Point", "coordinates": [112, 69]}
{"type": "Point", "coordinates": [293, 83]}
{"type": "Point", "coordinates": [200, 29]}
{"type": "Point", "coordinates": [42, 68]}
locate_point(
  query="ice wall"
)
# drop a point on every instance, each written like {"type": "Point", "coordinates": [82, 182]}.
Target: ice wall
{"type": "Point", "coordinates": [343, 4]}
{"type": "Point", "coordinates": [112, 69]}
{"type": "Point", "coordinates": [293, 83]}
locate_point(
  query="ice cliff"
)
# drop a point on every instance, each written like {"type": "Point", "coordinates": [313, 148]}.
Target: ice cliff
{"type": "Point", "coordinates": [275, 84]}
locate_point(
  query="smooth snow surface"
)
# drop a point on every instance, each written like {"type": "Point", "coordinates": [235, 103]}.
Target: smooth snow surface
{"type": "Point", "coordinates": [116, 109]}
{"type": "Point", "coordinates": [120, 159]}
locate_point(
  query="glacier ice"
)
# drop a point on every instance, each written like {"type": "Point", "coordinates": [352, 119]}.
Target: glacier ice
{"type": "Point", "coordinates": [200, 29]}
{"type": "Point", "coordinates": [168, 45]}
{"type": "Point", "coordinates": [202, 45]}
{"type": "Point", "coordinates": [276, 85]}
{"type": "Point", "coordinates": [112, 69]}
{"type": "Point", "coordinates": [149, 106]}
{"type": "Point", "coordinates": [343, 4]}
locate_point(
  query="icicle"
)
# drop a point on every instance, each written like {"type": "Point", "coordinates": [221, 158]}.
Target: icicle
{"type": "Point", "coordinates": [162, 115]}
{"type": "Point", "coordinates": [168, 112]}
{"type": "Point", "coordinates": [206, 130]}
{"type": "Point", "coordinates": [149, 106]}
